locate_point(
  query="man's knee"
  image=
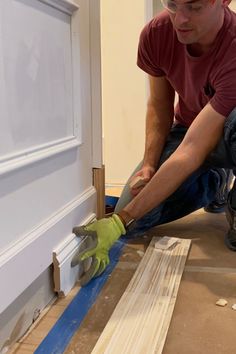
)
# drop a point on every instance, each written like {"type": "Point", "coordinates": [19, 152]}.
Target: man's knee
{"type": "Point", "coordinates": [126, 196]}
{"type": "Point", "coordinates": [224, 155]}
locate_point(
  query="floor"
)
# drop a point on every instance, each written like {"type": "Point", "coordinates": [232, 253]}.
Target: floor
{"type": "Point", "coordinates": [198, 325]}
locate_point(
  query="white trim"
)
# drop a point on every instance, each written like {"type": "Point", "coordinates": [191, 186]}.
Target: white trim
{"type": "Point", "coordinates": [96, 81]}
{"type": "Point", "coordinates": [149, 7]}
{"type": "Point", "coordinates": [23, 262]}
{"type": "Point", "coordinates": [30, 237]}
{"type": "Point", "coordinates": [76, 77]}
{"type": "Point", "coordinates": [66, 6]}
{"type": "Point", "coordinates": [64, 275]}
{"type": "Point", "coordinates": [26, 157]}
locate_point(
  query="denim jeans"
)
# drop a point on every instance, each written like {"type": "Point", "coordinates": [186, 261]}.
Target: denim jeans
{"type": "Point", "coordinates": [198, 190]}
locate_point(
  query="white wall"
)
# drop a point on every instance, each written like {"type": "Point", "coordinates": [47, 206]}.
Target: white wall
{"type": "Point", "coordinates": [123, 87]}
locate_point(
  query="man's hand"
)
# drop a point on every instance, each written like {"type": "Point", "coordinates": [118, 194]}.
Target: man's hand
{"type": "Point", "coordinates": [146, 173]}
{"type": "Point", "coordinates": [101, 234]}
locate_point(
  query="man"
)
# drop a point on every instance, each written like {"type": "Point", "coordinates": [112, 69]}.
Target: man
{"type": "Point", "coordinates": [190, 48]}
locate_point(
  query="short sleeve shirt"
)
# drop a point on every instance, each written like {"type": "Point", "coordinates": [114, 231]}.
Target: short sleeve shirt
{"type": "Point", "coordinates": [197, 80]}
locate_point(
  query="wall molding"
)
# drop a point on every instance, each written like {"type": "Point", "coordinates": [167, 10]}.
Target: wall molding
{"type": "Point", "coordinates": [96, 80]}
{"type": "Point", "coordinates": [76, 79]}
{"type": "Point", "coordinates": [66, 6]}
{"type": "Point", "coordinates": [21, 158]}
{"type": "Point", "coordinates": [46, 236]}
{"type": "Point", "coordinates": [26, 157]}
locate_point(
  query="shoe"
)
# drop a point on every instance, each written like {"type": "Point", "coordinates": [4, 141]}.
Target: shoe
{"type": "Point", "coordinates": [230, 238]}
{"type": "Point", "coordinates": [215, 208]}
{"type": "Point", "coordinates": [219, 204]}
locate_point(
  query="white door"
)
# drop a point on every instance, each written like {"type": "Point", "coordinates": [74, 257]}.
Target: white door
{"type": "Point", "coordinates": [46, 146]}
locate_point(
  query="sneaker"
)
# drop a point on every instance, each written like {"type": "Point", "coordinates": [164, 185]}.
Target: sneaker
{"type": "Point", "coordinates": [230, 238]}
{"type": "Point", "coordinates": [219, 204]}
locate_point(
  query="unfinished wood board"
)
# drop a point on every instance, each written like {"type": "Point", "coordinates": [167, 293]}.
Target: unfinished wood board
{"type": "Point", "coordinates": [99, 184]}
{"type": "Point", "coordinates": [142, 317]}
{"type": "Point", "coordinates": [137, 182]}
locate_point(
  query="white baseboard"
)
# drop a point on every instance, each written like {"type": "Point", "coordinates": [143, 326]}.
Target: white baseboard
{"type": "Point", "coordinates": [64, 275]}
{"type": "Point", "coordinates": [29, 257]}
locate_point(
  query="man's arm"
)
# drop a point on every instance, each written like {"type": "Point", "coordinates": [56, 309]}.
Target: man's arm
{"type": "Point", "coordinates": [159, 119]}
{"type": "Point", "coordinates": [201, 138]}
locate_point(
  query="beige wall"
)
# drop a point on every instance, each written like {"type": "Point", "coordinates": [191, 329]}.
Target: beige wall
{"type": "Point", "coordinates": [233, 5]}
{"type": "Point", "coordinates": [124, 85]}
{"type": "Point", "coordinates": [124, 88]}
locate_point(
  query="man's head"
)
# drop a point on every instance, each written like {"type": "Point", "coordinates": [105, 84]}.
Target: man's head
{"type": "Point", "coordinates": [196, 21]}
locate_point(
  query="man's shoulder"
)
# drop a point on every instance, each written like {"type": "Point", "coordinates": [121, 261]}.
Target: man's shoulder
{"type": "Point", "coordinates": [231, 24]}
{"type": "Point", "coordinates": [227, 40]}
{"type": "Point", "coordinates": [160, 23]}
{"type": "Point", "coordinates": [155, 44]}
{"type": "Point", "coordinates": [161, 19]}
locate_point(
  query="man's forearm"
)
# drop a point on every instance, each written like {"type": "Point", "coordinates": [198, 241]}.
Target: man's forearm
{"type": "Point", "coordinates": [159, 120]}
{"type": "Point", "coordinates": [202, 137]}
{"type": "Point", "coordinates": [165, 182]}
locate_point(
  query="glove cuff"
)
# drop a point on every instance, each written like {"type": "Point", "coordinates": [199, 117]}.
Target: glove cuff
{"type": "Point", "coordinates": [126, 219]}
{"type": "Point", "coordinates": [119, 222]}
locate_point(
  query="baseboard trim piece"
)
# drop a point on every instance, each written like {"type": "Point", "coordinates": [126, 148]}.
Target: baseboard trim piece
{"type": "Point", "coordinates": [141, 319]}
{"type": "Point", "coordinates": [64, 275]}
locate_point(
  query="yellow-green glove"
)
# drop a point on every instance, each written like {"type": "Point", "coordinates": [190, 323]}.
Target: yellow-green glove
{"type": "Point", "coordinates": [101, 235]}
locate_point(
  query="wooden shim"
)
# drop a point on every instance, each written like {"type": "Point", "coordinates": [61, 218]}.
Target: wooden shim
{"type": "Point", "coordinates": [142, 317]}
{"type": "Point", "coordinates": [137, 182]}
{"type": "Point", "coordinates": [99, 184]}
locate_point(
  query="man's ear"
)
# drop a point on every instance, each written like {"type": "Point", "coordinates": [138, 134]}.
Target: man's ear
{"type": "Point", "coordinates": [226, 3]}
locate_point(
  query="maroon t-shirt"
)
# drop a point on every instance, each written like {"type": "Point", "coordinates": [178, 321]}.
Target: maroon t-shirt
{"type": "Point", "coordinates": [197, 80]}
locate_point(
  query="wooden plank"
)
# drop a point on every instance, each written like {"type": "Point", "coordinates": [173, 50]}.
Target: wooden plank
{"type": "Point", "coordinates": [99, 184]}
{"type": "Point", "coordinates": [220, 270]}
{"type": "Point", "coordinates": [137, 182]}
{"type": "Point", "coordinates": [141, 319]}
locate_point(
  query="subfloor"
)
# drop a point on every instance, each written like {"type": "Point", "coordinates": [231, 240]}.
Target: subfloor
{"type": "Point", "coordinates": [198, 326]}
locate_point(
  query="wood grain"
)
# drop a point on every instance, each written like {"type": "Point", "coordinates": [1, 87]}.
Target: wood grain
{"type": "Point", "coordinates": [141, 319]}
{"type": "Point", "coordinates": [99, 184]}
{"type": "Point", "coordinates": [137, 182]}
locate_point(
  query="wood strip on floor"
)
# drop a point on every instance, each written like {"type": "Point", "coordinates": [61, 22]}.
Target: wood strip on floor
{"type": "Point", "coordinates": [141, 319]}
{"type": "Point", "coordinates": [222, 270]}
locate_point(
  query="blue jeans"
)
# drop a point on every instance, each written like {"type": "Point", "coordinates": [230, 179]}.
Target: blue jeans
{"type": "Point", "coordinates": [198, 190]}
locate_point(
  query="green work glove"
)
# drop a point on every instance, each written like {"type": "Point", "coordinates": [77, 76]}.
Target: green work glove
{"type": "Point", "coordinates": [100, 236]}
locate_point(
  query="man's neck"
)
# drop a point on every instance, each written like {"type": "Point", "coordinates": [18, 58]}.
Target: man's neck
{"type": "Point", "coordinates": [198, 49]}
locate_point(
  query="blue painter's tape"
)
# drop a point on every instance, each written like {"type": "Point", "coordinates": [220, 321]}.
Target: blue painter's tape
{"type": "Point", "coordinates": [61, 333]}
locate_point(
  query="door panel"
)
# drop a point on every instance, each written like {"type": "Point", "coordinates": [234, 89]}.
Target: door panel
{"type": "Point", "coordinates": [46, 135]}
{"type": "Point", "coordinates": [37, 72]}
